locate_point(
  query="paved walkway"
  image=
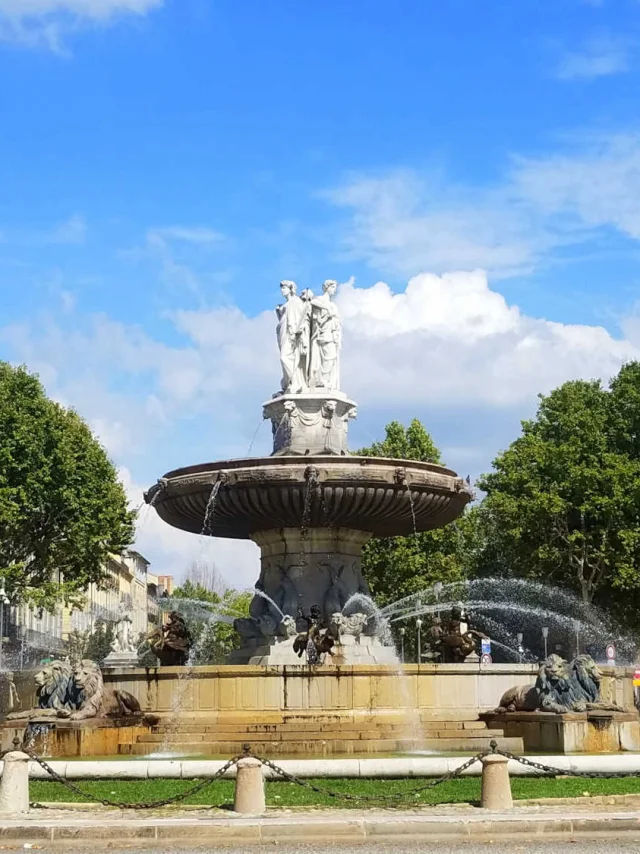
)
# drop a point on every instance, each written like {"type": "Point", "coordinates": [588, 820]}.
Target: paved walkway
{"type": "Point", "coordinates": [219, 828]}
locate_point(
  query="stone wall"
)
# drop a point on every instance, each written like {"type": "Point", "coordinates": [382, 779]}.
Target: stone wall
{"type": "Point", "coordinates": [428, 687]}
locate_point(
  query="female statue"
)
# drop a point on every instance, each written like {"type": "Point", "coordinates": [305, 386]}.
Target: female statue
{"type": "Point", "coordinates": [326, 340]}
{"type": "Point", "coordinates": [293, 338]}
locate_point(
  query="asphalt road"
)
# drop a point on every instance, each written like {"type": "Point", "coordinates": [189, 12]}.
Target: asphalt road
{"type": "Point", "coordinates": [603, 846]}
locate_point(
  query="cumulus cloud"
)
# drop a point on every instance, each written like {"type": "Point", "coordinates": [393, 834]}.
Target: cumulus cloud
{"type": "Point", "coordinates": [43, 22]}
{"type": "Point", "coordinates": [404, 222]}
{"type": "Point", "coordinates": [598, 57]}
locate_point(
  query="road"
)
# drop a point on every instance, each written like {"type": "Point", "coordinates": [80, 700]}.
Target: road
{"type": "Point", "coordinates": [603, 846]}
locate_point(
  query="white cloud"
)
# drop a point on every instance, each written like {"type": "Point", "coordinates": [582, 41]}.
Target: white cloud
{"type": "Point", "coordinates": [405, 222]}
{"type": "Point", "coordinates": [43, 22]}
{"type": "Point", "coordinates": [188, 234]}
{"type": "Point", "coordinates": [599, 57]}
{"type": "Point", "coordinates": [72, 230]}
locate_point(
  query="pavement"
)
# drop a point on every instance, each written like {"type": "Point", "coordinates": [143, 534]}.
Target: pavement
{"type": "Point", "coordinates": [586, 847]}
{"type": "Point", "coordinates": [168, 829]}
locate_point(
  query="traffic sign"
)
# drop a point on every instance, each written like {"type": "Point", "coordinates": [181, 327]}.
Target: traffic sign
{"type": "Point", "coordinates": [485, 646]}
{"type": "Point", "coordinates": [611, 652]}
{"type": "Point", "coordinates": [486, 659]}
{"type": "Point", "coordinates": [636, 678]}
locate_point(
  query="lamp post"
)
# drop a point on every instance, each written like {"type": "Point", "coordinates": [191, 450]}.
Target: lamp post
{"type": "Point", "coordinates": [520, 636]}
{"type": "Point", "coordinates": [23, 639]}
{"type": "Point", "coordinates": [419, 628]}
{"type": "Point", "coordinates": [4, 600]}
{"type": "Point", "coordinates": [545, 637]}
{"type": "Point", "coordinates": [402, 634]}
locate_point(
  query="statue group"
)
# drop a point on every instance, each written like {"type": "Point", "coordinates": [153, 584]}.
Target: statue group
{"type": "Point", "coordinates": [309, 337]}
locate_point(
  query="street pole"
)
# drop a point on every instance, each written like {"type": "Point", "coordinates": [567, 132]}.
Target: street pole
{"type": "Point", "coordinates": [402, 632]}
{"type": "Point", "coordinates": [419, 627]}
{"type": "Point", "coordinates": [520, 638]}
{"type": "Point", "coordinates": [545, 636]}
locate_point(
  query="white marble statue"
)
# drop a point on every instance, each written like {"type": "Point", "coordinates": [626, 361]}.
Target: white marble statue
{"type": "Point", "coordinates": [293, 337]}
{"type": "Point", "coordinates": [123, 642]}
{"type": "Point", "coordinates": [326, 340]}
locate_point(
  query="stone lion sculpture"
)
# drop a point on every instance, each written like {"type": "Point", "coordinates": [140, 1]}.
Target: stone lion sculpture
{"type": "Point", "coordinates": [90, 699]}
{"type": "Point", "coordinates": [53, 691]}
{"type": "Point", "coordinates": [560, 688]}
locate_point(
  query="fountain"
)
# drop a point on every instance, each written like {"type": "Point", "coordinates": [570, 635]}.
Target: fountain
{"type": "Point", "coordinates": [310, 506]}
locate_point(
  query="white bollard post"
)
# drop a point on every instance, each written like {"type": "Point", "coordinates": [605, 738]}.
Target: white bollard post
{"type": "Point", "coordinates": [249, 797]}
{"type": "Point", "coordinates": [496, 786]}
{"type": "Point", "coordinates": [14, 785]}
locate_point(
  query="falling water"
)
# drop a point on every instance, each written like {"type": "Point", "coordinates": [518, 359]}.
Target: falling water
{"type": "Point", "coordinates": [211, 505]}
{"type": "Point", "coordinates": [311, 476]}
{"type": "Point", "coordinates": [263, 595]}
{"type": "Point", "coordinates": [255, 436]}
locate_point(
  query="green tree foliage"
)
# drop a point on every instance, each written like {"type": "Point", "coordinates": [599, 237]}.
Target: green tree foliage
{"type": "Point", "coordinates": [62, 508]}
{"type": "Point", "coordinates": [100, 641]}
{"type": "Point", "coordinates": [399, 566]}
{"type": "Point", "coordinates": [563, 501]}
{"type": "Point", "coordinates": [215, 640]}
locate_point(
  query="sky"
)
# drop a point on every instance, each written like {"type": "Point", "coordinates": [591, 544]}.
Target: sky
{"type": "Point", "coordinates": [469, 172]}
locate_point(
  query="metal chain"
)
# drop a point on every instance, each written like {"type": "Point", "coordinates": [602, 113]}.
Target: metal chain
{"type": "Point", "coordinates": [562, 772]}
{"type": "Point", "coordinates": [397, 796]}
{"type": "Point", "coordinates": [181, 796]}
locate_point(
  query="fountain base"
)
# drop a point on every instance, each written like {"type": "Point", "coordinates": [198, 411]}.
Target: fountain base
{"type": "Point", "coordinates": [573, 732]}
{"type": "Point", "coordinates": [304, 572]}
{"type": "Point", "coordinates": [348, 650]}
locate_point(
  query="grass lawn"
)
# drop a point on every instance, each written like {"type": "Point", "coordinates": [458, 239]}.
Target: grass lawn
{"type": "Point", "coordinates": [281, 794]}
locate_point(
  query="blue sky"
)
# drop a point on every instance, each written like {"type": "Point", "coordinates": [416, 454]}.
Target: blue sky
{"type": "Point", "coordinates": [469, 171]}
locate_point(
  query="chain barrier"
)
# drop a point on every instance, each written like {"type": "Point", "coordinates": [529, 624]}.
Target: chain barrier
{"type": "Point", "coordinates": [549, 770]}
{"type": "Point", "coordinates": [394, 798]}
{"type": "Point", "coordinates": [163, 802]}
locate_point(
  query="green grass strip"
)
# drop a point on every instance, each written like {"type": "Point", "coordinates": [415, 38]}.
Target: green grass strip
{"type": "Point", "coordinates": [281, 794]}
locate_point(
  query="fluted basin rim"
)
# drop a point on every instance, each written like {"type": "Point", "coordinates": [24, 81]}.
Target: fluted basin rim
{"type": "Point", "coordinates": [380, 495]}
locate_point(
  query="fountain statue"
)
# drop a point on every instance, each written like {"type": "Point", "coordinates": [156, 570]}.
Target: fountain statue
{"type": "Point", "coordinates": [123, 649]}
{"type": "Point", "coordinates": [168, 645]}
{"type": "Point", "coordinates": [560, 688]}
{"type": "Point", "coordinates": [310, 506]}
{"type": "Point", "coordinates": [76, 693]}
{"type": "Point", "coordinates": [453, 641]}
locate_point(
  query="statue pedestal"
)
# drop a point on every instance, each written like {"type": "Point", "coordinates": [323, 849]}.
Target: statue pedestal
{"type": "Point", "coordinates": [121, 659]}
{"type": "Point", "coordinates": [573, 732]}
{"type": "Point", "coordinates": [349, 650]}
{"type": "Point", "coordinates": [314, 422]}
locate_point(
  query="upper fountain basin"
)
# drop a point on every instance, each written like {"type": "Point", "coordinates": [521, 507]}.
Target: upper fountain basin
{"type": "Point", "coordinates": [384, 497]}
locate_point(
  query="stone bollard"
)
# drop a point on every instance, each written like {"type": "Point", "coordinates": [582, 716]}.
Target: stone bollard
{"type": "Point", "coordinates": [14, 785]}
{"type": "Point", "coordinates": [249, 797]}
{"type": "Point", "coordinates": [496, 786]}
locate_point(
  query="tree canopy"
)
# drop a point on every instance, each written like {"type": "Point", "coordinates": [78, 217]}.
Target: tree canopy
{"type": "Point", "coordinates": [62, 507]}
{"type": "Point", "coordinates": [399, 566]}
{"type": "Point", "coordinates": [563, 501]}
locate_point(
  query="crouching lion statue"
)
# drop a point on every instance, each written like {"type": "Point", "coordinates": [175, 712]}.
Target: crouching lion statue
{"type": "Point", "coordinates": [560, 688]}
{"type": "Point", "coordinates": [53, 687]}
{"type": "Point", "coordinates": [90, 699]}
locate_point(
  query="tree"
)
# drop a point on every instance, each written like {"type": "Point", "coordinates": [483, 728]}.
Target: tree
{"type": "Point", "coordinates": [100, 641]}
{"type": "Point", "coordinates": [62, 508]}
{"type": "Point", "coordinates": [399, 566]}
{"type": "Point", "coordinates": [215, 639]}
{"type": "Point", "coordinates": [563, 501]}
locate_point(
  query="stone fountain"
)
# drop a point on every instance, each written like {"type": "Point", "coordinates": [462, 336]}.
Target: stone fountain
{"type": "Point", "coordinates": [311, 506]}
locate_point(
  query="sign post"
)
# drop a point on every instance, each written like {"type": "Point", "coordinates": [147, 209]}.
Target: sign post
{"type": "Point", "coordinates": [611, 654]}
{"type": "Point", "coordinates": [485, 649]}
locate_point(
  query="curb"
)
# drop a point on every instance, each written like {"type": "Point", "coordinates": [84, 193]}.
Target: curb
{"type": "Point", "coordinates": [381, 828]}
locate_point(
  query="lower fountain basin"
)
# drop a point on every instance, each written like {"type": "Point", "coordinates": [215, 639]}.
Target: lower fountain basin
{"type": "Point", "coordinates": [380, 496]}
